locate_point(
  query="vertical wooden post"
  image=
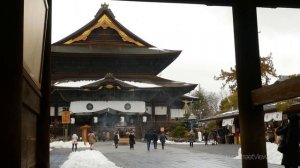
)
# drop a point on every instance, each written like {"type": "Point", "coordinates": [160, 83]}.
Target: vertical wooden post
{"type": "Point", "coordinates": [168, 116]}
{"type": "Point", "coordinates": [11, 104]}
{"type": "Point", "coordinates": [43, 123]}
{"type": "Point", "coordinates": [248, 78]}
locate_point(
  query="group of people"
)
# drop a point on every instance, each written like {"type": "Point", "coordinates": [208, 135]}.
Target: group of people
{"type": "Point", "coordinates": [153, 136]}
{"type": "Point", "coordinates": [131, 137]}
{"type": "Point", "coordinates": [218, 136]}
{"type": "Point", "coordinates": [91, 140]}
{"type": "Point", "coordinates": [149, 137]}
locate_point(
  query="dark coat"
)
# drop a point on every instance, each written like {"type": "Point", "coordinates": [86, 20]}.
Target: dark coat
{"type": "Point", "coordinates": [132, 139]}
{"type": "Point", "coordinates": [148, 136]}
{"type": "Point", "coordinates": [116, 138]}
{"type": "Point", "coordinates": [191, 138]}
{"type": "Point", "coordinates": [291, 136]}
{"type": "Point", "coordinates": [155, 137]}
{"type": "Point", "coordinates": [163, 138]}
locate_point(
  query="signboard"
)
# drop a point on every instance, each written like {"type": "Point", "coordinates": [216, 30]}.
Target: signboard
{"type": "Point", "coordinates": [228, 121]}
{"type": "Point", "coordinates": [276, 116]}
{"type": "Point", "coordinates": [65, 117]}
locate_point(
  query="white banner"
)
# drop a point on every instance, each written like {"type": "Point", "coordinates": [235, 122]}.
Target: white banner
{"type": "Point", "coordinates": [228, 121]}
{"type": "Point", "coordinates": [93, 106]}
{"type": "Point", "coordinates": [52, 111]}
{"type": "Point", "coordinates": [276, 116]}
{"type": "Point", "coordinates": [177, 113]}
{"type": "Point", "coordinates": [160, 110]}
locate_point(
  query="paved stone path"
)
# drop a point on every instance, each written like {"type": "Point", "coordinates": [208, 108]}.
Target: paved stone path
{"type": "Point", "coordinates": [175, 156]}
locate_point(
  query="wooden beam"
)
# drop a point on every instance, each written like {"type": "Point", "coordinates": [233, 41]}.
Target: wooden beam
{"type": "Point", "coordinates": [278, 3]}
{"type": "Point", "coordinates": [204, 2]}
{"type": "Point", "coordinates": [259, 3]}
{"type": "Point", "coordinates": [280, 91]}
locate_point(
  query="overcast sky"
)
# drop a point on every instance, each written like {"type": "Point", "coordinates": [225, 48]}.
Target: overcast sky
{"type": "Point", "coordinates": [203, 33]}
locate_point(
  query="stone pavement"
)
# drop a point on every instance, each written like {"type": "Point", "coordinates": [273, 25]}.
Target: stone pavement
{"type": "Point", "coordinates": [175, 156]}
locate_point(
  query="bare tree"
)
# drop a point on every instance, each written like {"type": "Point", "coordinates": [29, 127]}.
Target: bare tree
{"type": "Point", "coordinates": [213, 102]}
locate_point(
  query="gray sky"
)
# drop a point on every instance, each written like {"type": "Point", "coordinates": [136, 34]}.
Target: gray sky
{"type": "Point", "coordinates": [204, 33]}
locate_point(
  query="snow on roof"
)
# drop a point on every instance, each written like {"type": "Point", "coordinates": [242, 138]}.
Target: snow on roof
{"type": "Point", "coordinates": [141, 84]}
{"type": "Point", "coordinates": [188, 95]}
{"type": "Point", "coordinates": [85, 82]}
{"type": "Point", "coordinates": [73, 83]}
{"type": "Point", "coordinates": [155, 48]}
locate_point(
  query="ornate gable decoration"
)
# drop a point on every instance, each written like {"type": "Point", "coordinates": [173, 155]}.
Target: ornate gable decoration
{"type": "Point", "coordinates": [104, 22]}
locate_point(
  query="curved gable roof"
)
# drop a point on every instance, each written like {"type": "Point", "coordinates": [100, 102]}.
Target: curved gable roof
{"type": "Point", "coordinates": [104, 20]}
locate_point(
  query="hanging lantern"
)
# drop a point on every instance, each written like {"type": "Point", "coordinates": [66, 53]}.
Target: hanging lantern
{"type": "Point", "coordinates": [144, 119]}
{"type": "Point", "coordinates": [72, 120]}
{"type": "Point", "coordinates": [95, 119]}
{"type": "Point", "coordinates": [122, 119]}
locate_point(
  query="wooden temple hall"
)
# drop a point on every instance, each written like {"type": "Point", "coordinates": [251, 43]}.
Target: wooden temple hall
{"type": "Point", "coordinates": [106, 77]}
{"type": "Point", "coordinates": [32, 60]}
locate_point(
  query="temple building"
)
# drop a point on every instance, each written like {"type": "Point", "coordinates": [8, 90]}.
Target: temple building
{"type": "Point", "coordinates": [107, 78]}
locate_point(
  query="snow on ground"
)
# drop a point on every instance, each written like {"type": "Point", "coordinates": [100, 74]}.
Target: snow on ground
{"type": "Point", "coordinates": [273, 155]}
{"type": "Point", "coordinates": [93, 158]}
{"type": "Point", "coordinates": [88, 158]}
{"type": "Point", "coordinates": [67, 144]}
{"type": "Point", "coordinates": [182, 143]}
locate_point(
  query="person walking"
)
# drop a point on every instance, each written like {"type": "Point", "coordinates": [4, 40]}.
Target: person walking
{"type": "Point", "coordinates": [205, 134]}
{"type": "Point", "coordinates": [131, 140]}
{"type": "Point", "coordinates": [92, 139]}
{"type": "Point", "coordinates": [214, 135]}
{"type": "Point", "coordinates": [289, 145]}
{"type": "Point", "coordinates": [116, 139]}
{"type": "Point", "coordinates": [74, 142]}
{"type": "Point", "coordinates": [163, 139]}
{"type": "Point", "coordinates": [148, 138]}
{"type": "Point", "coordinates": [191, 139]}
{"type": "Point", "coordinates": [155, 139]}
{"type": "Point", "coordinates": [270, 134]}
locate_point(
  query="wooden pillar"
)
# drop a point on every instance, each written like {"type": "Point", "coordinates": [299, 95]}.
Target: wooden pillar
{"type": "Point", "coordinates": [248, 78]}
{"type": "Point", "coordinates": [168, 117]}
{"type": "Point", "coordinates": [153, 118]}
{"type": "Point", "coordinates": [11, 103]}
{"type": "Point", "coordinates": [55, 116]}
{"type": "Point", "coordinates": [43, 123]}
{"type": "Point", "coordinates": [56, 111]}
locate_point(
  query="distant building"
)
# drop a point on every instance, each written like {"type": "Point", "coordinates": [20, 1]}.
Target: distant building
{"type": "Point", "coordinates": [106, 76]}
